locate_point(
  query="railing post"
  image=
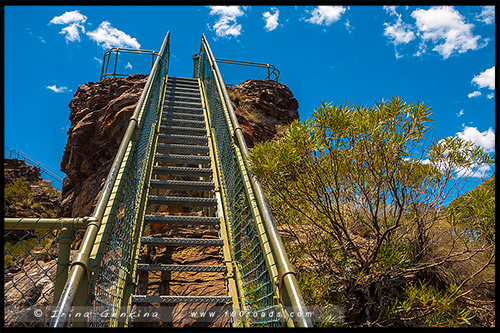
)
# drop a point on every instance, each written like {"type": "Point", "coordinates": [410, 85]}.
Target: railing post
{"type": "Point", "coordinates": [116, 62]}
{"type": "Point", "coordinates": [65, 239]}
{"type": "Point", "coordinates": [80, 304]}
{"type": "Point", "coordinates": [107, 63]}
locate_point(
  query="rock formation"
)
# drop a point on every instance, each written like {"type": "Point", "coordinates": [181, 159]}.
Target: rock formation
{"type": "Point", "coordinates": [30, 257]}
{"type": "Point", "coordinates": [262, 107]}
{"type": "Point", "coordinates": [99, 115]}
{"type": "Point", "coordinates": [26, 193]}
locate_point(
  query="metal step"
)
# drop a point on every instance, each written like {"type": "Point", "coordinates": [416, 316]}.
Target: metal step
{"type": "Point", "coordinates": [181, 149]}
{"type": "Point", "coordinates": [178, 103]}
{"type": "Point", "coordinates": [183, 109]}
{"type": "Point", "coordinates": [182, 201]}
{"type": "Point", "coordinates": [181, 78]}
{"type": "Point", "coordinates": [180, 299]}
{"type": "Point", "coordinates": [182, 171]}
{"type": "Point", "coordinates": [168, 129]}
{"type": "Point", "coordinates": [182, 92]}
{"type": "Point", "coordinates": [181, 115]}
{"type": "Point", "coordinates": [184, 139]}
{"type": "Point", "coordinates": [182, 185]}
{"type": "Point", "coordinates": [168, 241]}
{"type": "Point", "coordinates": [183, 87]}
{"type": "Point", "coordinates": [182, 122]}
{"type": "Point", "coordinates": [178, 219]}
{"type": "Point", "coordinates": [181, 268]}
{"type": "Point", "coordinates": [181, 102]}
{"type": "Point", "coordinates": [182, 159]}
{"type": "Point", "coordinates": [182, 98]}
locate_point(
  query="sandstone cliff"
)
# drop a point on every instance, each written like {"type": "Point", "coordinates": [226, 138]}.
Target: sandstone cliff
{"type": "Point", "coordinates": [99, 113]}
{"type": "Point", "coordinates": [262, 107]}
{"type": "Point", "coordinates": [26, 194]}
{"type": "Point", "coordinates": [30, 257]}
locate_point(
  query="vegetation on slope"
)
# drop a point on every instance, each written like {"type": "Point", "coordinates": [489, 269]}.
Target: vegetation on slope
{"type": "Point", "coordinates": [364, 219]}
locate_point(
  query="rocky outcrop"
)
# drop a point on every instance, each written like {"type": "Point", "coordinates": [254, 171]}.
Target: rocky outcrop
{"type": "Point", "coordinates": [99, 115]}
{"type": "Point", "coordinates": [26, 194]}
{"type": "Point", "coordinates": [30, 256]}
{"type": "Point", "coordinates": [262, 107]}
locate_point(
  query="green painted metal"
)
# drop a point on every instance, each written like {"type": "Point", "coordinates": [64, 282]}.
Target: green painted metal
{"type": "Point", "coordinates": [54, 177]}
{"type": "Point", "coordinates": [35, 239]}
{"type": "Point", "coordinates": [126, 54]}
{"type": "Point", "coordinates": [267, 276]}
{"type": "Point", "coordinates": [102, 274]}
{"type": "Point", "coordinates": [106, 253]}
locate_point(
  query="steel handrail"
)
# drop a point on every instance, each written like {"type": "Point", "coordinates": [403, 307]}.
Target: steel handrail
{"type": "Point", "coordinates": [80, 267]}
{"type": "Point", "coordinates": [107, 55]}
{"type": "Point", "coordinates": [34, 162]}
{"type": "Point", "coordinates": [271, 69]}
{"type": "Point", "coordinates": [287, 279]}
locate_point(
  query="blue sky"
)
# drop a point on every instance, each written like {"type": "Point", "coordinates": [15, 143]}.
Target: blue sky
{"type": "Point", "coordinates": [443, 56]}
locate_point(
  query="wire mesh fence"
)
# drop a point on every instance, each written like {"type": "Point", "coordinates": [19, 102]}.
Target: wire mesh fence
{"type": "Point", "coordinates": [121, 62]}
{"type": "Point", "coordinates": [126, 210]}
{"type": "Point", "coordinates": [56, 178]}
{"type": "Point", "coordinates": [36, 260]}
{"type": "Point", "coordinates": [247, 251]}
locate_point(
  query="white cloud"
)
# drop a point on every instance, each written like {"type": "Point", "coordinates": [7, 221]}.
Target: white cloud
{"type": "Point", "coordinates": [57, 89]}
{"type": "Point", "coordinates": [129, 65]}
{"type": "Point", "coordinates": [485, 79]}
{"type": "Point", "coordinates": [326, 15]}
{"type": "Point", "coordinates": [398, 32]}
{"type": "Point", "coordinates": [461, 113]}
{"type": "Point", "coordinates": [72, 32]}
{"type": "Point", "coordinates": [484, 139]}
{"type": "Point", "coordinates": [445, 28]}
{"type": "Point", "coordinates": [98, 60]}
{"type": "Point", "coordinates": [490, 96]}
{"type": "Point", "coordinates": [74, 21]}
{"type": "Point", "coordinates": [487, 15]}
{"type": "Point", "coordinates": [474, 94]}
{"type": "Point", "coordinates": [391, 10]}
{"type": "Point", "coordinates": [475, 171]}
{"type": "Point", "coordinates": [348, 26]}
{"type": "Point", "coordinates": [271, 19]}
{"type": "Point", "coordinates": [32, 34]}
{"type": "Point", "coordinates": [226, 25]}
{"type": "Point", "coordinates": [69, 17]}
{"type": "Point", "coordinates": [108, 37]}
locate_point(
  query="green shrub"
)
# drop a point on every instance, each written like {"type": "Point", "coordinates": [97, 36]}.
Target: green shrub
{"type": "Point", "coordinates": [427, 306]}
{"type": "Point", "coordinates": [36, 206]}
{"type": "Point", "coordinates": [17, 191]}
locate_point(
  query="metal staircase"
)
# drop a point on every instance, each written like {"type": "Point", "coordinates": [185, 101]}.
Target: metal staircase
{"type": "Point", "coordinates": [183, 149]}
{"type": "Point", "coordinates": [182, 155]}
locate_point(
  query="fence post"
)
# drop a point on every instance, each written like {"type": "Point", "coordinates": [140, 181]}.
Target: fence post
{"type": "Point", "coordinates": [116, 62]}
{"type": "Point", "coordinates": [65, 239]}
{"type": "Point", "coordinates": [80, 304]}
